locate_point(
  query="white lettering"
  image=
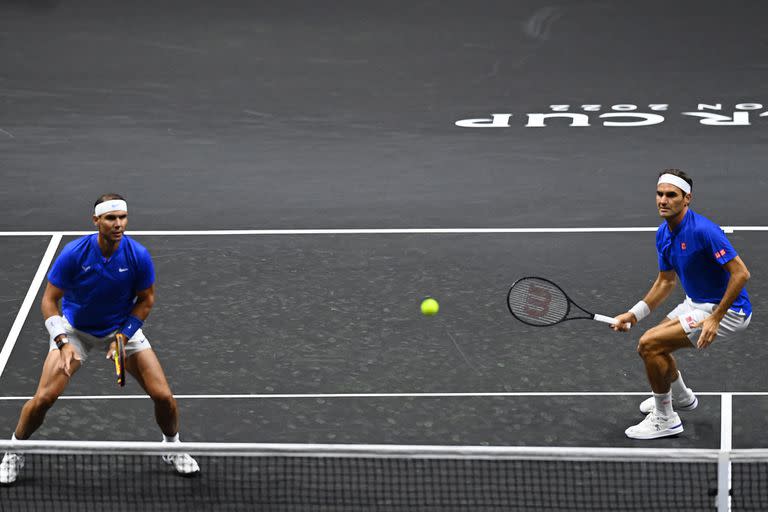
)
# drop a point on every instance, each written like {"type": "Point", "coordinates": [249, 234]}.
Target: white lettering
{"type": "Point", "coordinates": [645, 119]}
{"type": "Point", "coordinates": [496, 121]}
{"type": "Point", "coordinates": [538, 120]}
{"type": "Point", "coordinates": [738, 119]}
{"type": "Point", "coordinates": [622, 115]}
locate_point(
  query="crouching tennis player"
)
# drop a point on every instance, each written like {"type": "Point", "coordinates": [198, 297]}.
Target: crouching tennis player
{"type": "Point", "coordinates": [105, 282]}
{"type": "Point", "coordinates": [716, 304]}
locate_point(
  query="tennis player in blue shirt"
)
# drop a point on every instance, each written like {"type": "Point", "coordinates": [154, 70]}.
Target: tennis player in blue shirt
{"type": "Point", "coordinates": [716, 306]}
{"type": "Point", "coordinates": [105, 282]}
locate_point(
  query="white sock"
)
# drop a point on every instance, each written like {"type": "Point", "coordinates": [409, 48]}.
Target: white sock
{"type": "Point", "coordinates": [679, 390]}
{"type": "Point", "coordinates": [13, 436]}
{"type": "Point", "coordinates": [664, 404]}
{"type": "Point", "coordinates": [171, 439]}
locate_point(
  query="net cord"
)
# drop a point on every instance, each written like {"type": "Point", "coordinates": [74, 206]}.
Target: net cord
{"type": "Point", "coordinates": [379, 451]}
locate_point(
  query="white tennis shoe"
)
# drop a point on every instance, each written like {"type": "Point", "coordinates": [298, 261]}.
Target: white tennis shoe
{"type": "Point", "coordinates": [655, 425]}
{"type": "Point", "coordinates": [183, 463]}
{"type": "Point", "coordinates": [649, 404]}
{"type": "Point", "coordinates": [10, 467]}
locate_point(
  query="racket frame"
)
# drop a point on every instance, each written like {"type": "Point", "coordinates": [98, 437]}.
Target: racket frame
{"type": "Point", "coordinates": [119, 357]}
{"type": "Point", "coordinates": [570, 302]}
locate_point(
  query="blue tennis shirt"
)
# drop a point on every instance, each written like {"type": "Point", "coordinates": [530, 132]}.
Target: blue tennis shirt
{"type": "Point", "coordinates": [99, 292]}
{"type": "Point", "coordinates": [697, 250]}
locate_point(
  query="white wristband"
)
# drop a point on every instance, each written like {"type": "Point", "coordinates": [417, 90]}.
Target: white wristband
{"type": "Point", "coordinates": [55, 326]}
{"type": "Point", "coordinates": [640, 310]}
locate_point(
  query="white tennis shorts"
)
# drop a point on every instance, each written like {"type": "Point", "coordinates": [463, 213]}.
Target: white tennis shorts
{"type": "Point", "coordinates": [84, 342]}
{"type": "Point", "coordinates": [689, 313]}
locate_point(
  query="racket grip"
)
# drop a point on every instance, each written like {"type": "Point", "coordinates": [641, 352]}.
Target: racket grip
{"type": "Point", "coordinates": [610, 320]}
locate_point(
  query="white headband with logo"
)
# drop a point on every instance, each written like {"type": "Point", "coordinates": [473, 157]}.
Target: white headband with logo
{"type": "Point", "coordinates": [676, 181]}
{"type": "Point", "coordinates": [112, 205]}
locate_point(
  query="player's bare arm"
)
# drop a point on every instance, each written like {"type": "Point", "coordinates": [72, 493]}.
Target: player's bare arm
{"type": "Point", "coordinates": [145, 300]}
{"type": "Point", "coordinates": [660, 290]}
{"type": "Point", "coordinates": [739, 275]}
{"type": "Point", "coordinates": [50, 307]}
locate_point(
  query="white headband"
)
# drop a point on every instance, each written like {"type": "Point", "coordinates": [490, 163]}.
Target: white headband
{"type": "Point", "coordinates": [112, 205]}
{"type": "Point", "coordinates": [676, 181]}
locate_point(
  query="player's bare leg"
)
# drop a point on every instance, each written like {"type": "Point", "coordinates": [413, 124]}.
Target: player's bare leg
{"type": "Point", "coordinates": [53, 382]}
{"type": "Point", "coordinates": [145, 367]}
{"type": "Point", "coordinates": [683, 397]}
{"type": "Point", "coordinates": [656, 347]}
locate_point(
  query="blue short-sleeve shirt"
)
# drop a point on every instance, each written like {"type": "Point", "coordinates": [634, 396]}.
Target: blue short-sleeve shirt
{"type": "Point", "coordinates": [697, 250]}
{"type": "Point", "coordinates": [99, 292]}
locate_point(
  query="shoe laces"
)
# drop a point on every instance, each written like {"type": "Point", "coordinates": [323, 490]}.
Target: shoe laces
{"type": "Point", "coordinates": [658, 418]}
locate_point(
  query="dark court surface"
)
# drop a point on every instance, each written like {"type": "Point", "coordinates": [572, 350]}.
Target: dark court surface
{"type": "Point", "coordinates": [343, 114]}
{"type": "Point", "coordinates": [298, 114]}
{"type": "Point", "coordinates": [20, 258]}
{"type": "Point", "coordinates": [339, 314]}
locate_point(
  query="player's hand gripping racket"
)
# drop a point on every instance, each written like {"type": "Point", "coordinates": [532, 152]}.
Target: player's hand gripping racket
{"type": "Point", "coordinates": [119, 357]}
{"type": "Point", "coordinates": [540, 302]}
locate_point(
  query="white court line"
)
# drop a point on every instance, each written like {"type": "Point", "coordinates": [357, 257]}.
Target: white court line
{"type": "Point", "coordinates": [385, 395]}
{"type": "Point", "coordinates": [366, 231]}
{"type": "Point", "coordinates": [726, 423]}
{"type": "Point", "coordinates": [21, 317]}
{"type": "Point", "coordinates": [726, 445]}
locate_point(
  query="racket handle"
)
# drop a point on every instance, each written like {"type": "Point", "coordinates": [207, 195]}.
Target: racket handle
{"type": "Point", "coordinates": [609, 320]}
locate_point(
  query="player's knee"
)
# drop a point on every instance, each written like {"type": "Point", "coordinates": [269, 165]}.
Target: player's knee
{"type": "Point", "coordinates": [44, 400]}
{"type": "Point", "coordinates": [164, 398]}
{"type": "Point", "coordinates": [648, 346]}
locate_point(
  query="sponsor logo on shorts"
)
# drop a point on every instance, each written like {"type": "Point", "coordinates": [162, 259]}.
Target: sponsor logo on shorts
{"type": "Point", "coordinates": [690, 321]}
{"type": "Point", "coordinates": [122, 270]}
{"type": "Point", "coordinates": [682, 245]}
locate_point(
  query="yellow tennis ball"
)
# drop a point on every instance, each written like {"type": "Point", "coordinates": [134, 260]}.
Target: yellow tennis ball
{"type": "Point", "coordinates": [429, 307]}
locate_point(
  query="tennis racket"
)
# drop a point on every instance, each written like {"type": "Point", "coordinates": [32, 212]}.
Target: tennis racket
{"type": "Point", "coordinates": [119, 358]}
{"type": "Point", "coordinates": [540, 302]}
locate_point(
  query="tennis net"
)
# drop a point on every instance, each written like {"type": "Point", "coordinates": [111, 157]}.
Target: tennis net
{"type": "Point", "coordinates": [60, 475]}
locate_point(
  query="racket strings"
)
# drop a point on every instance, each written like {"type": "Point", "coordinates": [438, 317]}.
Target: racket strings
{"type": "Point", "coordinates": [538, 302]}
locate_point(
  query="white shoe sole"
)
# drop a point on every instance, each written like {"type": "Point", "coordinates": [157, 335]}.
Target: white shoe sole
{"type": "Point", "coordinates": [671, 431]}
